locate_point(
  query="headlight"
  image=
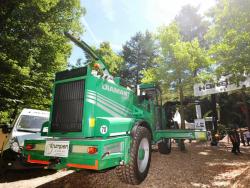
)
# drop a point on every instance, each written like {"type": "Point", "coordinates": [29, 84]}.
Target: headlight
{"type": "Point", "coordinates": [15, 146]}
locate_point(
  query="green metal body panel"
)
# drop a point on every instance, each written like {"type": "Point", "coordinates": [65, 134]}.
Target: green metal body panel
{"type": "Point", "coordinates": [117, 148]}
{"type": "Point", "coordinates": [110, 112]}
{"type": "Point", "coordinates": [114, 126]}
{"type": "Point", "coordinates": [102, 98]}
{"type": "Point", "coordinates": [174, 133]}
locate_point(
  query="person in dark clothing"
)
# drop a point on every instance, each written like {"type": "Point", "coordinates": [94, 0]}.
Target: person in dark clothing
{"type": "Point", "coordinates": [235, 139]}
{"type": "Point", "coordinates": [238, 141]}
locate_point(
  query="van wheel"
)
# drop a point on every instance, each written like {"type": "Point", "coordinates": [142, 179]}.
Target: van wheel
{"type": "Point", "coordinates": [140, 156]}
{"type": "Point", "coordinates": [164, 146]}
{"type": "Point", "coordinates": [2, 168]}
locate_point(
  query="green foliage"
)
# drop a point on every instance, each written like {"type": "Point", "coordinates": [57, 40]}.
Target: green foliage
{"type": "Point", "coordinates": [139, 54]}
{"type": "Point", "coordinates": [33, 48]}
{"type": "Point", "coordinates": [230, 38]}
{"type": "Point", "coordinates": [179, 62]}
{"type": "Point", "coordinates": [231, 109]}
{"type": "Point", "coordinates": [113, 61]}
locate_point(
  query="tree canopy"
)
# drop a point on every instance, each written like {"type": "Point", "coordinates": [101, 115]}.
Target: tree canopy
{"type": "Point", "coordinates": [178, 64]}
{"type": "Point", "coordinates": [139, 54]}
{"type": "Point", "coordinates": [229, 37]}
{"type": "Point", "coordinates": [113, 61]}
{"type": "Point", "coordinates": [33, 48]}
{"type": "Point", "coordinates": [192, 25]}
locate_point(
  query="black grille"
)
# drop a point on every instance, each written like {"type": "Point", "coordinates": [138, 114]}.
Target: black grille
{"type": "Point", "coordinates": [68, 107]}
{"type": "Point", "coordinates": [71, 73]}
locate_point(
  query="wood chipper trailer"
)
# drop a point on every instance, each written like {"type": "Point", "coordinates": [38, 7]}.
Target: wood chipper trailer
{"type": "Point", "coordinates": [95, 123]}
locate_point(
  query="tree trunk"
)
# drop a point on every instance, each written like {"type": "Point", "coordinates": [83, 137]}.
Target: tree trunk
{"type": "Point", "coordinates": [246, 111]}
{"type": "Point", "coordinates": [14, 114]}
{"type": "Point", "coordinates": [215, 118]}
{"type": "Point", "coordinates": [214, 112]}
{"type": "Point", "coordinates": [181, 143]}
{"type": "Point", "coordinates": [182, 109]}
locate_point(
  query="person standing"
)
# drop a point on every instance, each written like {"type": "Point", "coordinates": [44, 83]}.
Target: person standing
{"type": "Point", "coordinates": [235, 139]}
{"type": "Point", "coordinates": [247, 135]}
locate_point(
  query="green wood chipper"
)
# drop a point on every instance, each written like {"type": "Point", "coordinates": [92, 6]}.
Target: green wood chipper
{"type": "Point", "coordinates": [95, 123]}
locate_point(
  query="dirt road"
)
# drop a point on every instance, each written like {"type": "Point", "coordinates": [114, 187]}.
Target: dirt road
{"type": "Point", "coordinates": [200, 166]}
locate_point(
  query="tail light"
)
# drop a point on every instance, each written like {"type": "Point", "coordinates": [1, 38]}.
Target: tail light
{"type": "Point", "coordinates": [29, 146]}
{"type": "Point", "coordinates": [92, 150]}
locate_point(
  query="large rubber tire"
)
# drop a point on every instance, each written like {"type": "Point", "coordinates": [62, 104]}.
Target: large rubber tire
{"type": "Point", "coordinates": [164, 147]}
{"type": "Point", "coordinates": [137, 169]}
{"type": "Point", "coordinates": [2, 168]}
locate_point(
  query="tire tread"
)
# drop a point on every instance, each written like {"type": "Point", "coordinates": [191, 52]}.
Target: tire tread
{"type": "Point", "coordinates": [129, 173]}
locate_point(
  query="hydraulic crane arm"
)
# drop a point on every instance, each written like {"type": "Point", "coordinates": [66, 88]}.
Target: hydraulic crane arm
{"type": "Point", "coordinates": [85, 47]}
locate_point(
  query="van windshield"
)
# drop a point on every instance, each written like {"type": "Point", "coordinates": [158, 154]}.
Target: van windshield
{"type": "Point", "coordinates": [31, 123]}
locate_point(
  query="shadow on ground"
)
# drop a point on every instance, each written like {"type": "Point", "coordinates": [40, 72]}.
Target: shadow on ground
{"type": "Point", "coordinates": [16, 175]}
{"type": "Point", "coordinates": [200, 166]}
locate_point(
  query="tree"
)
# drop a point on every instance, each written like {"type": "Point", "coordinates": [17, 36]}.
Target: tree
{"type": "Point", "coordinates": [33, 48]}
{"type": "Point", "coordinates": [230, 41]}
{"type": "Point", "coordinates": [179, 63]}
{"type": "Point", "coordinates": [230, 38]}
{"type": "Point", "coordinates": [113, 61]}
{"type": "Point", "coordinates": [191, 24]}
{"type": "Point", "coordinates": [139, 54]}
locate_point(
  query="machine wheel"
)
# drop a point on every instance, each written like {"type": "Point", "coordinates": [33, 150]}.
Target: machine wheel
{"type": "Point", "coordinates": [140, 156]}
{"type": "Point", "coordinates": [164, 146]}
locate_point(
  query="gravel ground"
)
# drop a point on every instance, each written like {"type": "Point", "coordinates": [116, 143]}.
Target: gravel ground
{"type": "Point", "coordinates": [200, 166]}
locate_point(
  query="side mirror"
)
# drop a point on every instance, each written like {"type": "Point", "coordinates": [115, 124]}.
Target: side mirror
{"type": "Point", "coordinates": [45, 129]}
{"type": "Point", "coordinates": [5, 129]}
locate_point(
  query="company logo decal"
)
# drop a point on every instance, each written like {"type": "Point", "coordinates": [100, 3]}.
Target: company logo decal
{"type": "Point", "coordinates": [115, 90]}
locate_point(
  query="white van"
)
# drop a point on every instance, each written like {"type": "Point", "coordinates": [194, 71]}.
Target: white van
{"type": "Point", "coordinates": [27, 126]}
